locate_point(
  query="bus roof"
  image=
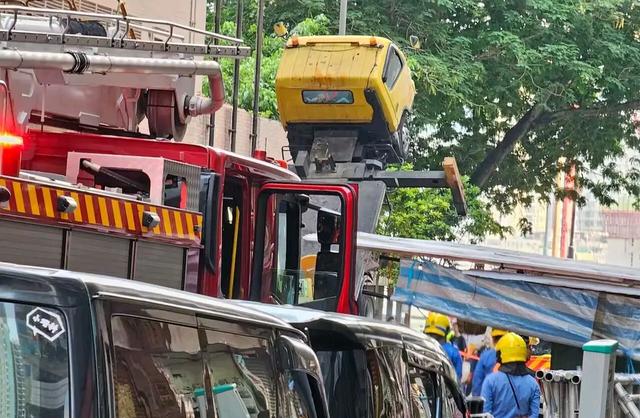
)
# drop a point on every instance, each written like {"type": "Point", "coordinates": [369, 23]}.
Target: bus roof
{"type": "Point", "coordinates": [66, 288]}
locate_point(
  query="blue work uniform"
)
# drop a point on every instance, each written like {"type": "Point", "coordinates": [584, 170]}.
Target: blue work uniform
{"type": "Point", "coordinates": [484, 367]}
{"type": "Point", "coordinates": [500, 398]}
{"type": "Point", "coordinates": [454, 356]}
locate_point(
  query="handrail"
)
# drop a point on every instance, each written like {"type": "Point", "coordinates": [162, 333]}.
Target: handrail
{"type": "Point", "coordinates": [117, 18]}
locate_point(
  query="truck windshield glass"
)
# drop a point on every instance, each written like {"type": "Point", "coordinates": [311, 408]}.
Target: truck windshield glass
{"type": "Point", "coordinates": [34, 365]}
{"type": "Point", "coordinates": [303, 249]}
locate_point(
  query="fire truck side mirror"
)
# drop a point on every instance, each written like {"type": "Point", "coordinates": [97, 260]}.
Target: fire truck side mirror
{"type": "Point", "coordinates": [66, 204]}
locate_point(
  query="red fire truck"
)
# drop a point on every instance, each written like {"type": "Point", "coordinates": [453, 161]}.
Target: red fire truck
{"type": "Point", "coordinates": [161, 211]}
{"type": "Point", "coordinates": [82, 189]}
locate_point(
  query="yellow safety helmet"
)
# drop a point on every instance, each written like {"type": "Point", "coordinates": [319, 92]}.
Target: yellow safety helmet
{"type": "Point", "coordinates": [495, 332]}
{"type": "Point", "coordinates": [512, 348]}
{"type": "Point", "coordinates": [437, 324]}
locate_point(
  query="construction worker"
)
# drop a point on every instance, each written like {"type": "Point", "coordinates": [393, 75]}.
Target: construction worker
{"type": "Point", "coordinates": [438, 326]}
{"type": "Point", "coordinates": [486, 363]}
{"type": "Point", "coordinates": [511, 392]}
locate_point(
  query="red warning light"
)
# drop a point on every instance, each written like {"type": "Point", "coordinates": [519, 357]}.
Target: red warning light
{"type": "Point", "coordinates": [10, 154]}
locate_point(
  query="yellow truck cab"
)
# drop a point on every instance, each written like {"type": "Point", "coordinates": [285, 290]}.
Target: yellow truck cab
{"type": "Point", "coordinates": [345, 87]}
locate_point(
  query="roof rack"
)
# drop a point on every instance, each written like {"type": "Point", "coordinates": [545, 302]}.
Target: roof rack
{"type": "Point", "coordinates": [117, 28]}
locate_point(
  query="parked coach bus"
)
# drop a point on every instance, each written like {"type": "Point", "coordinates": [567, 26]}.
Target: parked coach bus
{"type": "Point", "coordinates": [374, 369]}
{"type": "Point", "coordinates": [81, 345]}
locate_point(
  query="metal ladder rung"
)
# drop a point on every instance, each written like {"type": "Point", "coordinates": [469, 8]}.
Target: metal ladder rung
{"type": "Point", "coordinates": [230, 51]}
{"type": "Point", "coordinates": [119, 39]}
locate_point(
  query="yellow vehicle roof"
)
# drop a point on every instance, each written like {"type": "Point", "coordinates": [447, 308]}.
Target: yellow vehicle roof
{"type": "Point", "coordinates": [329, 63]}
{"type": "Point", "coordinates": [361, 40]}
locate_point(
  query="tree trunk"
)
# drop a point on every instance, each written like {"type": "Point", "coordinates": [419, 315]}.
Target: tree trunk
{"type": "Point", "coordinates": [514, 135]}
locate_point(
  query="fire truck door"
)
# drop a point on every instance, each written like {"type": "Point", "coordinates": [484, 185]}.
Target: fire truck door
{"type": "Point", "coordinates": [305, 245]}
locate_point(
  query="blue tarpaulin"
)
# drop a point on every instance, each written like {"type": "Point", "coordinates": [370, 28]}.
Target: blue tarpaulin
{"type": "Point", "coordinates": [560, 314]}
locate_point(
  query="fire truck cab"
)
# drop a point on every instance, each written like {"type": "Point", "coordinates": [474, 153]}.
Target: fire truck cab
{"type": "Point", "coordinates": [246, 222]}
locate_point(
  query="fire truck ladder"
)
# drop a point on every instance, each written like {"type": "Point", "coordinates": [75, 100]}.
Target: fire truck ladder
{"type": "Point", "coordinates": [93, 60]}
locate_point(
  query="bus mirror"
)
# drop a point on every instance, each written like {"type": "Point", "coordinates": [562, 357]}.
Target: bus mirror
{"type": "Point", "coordinates": [295, 355]}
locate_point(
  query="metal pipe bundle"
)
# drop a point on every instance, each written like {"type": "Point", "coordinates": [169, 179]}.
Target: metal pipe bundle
{"type": "Point", "coordinates": [561, 393]}
{"type": "Point", "coordinates": [78, 63]}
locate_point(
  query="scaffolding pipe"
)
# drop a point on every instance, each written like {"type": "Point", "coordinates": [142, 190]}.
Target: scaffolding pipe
{"type": "Point", "coordinates": [236, 80]}
{"type": "Point", "coordinates": [342, 25]}
{"type": "Point", "coordinates": [216, 29]}
{"type": "Point", "coordinates": [80, 63]}
{"type": "Point", "coordinates": [255, 126]}
{"type": "Point", "coordinates": [628, 402]}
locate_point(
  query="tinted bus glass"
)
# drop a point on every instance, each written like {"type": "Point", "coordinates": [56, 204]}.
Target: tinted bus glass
{"type": "Point", "coordinates": [34, 362]}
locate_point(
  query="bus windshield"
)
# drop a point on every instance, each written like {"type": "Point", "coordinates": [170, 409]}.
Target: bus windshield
{"type": "Point", "coordinates": [34, 365]}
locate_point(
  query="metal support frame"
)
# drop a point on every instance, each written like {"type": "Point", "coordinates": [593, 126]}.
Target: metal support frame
{"type": "Point", "coordinates": [371, 170]}
{"type": "Point", "coordinates": [255, 127]}
{"type": "Point", "coordinates": [236, 80]}
{"type": "Point", "coordinates": [342, 27]}
{"type": "Point", "coordinates": [216, 29]}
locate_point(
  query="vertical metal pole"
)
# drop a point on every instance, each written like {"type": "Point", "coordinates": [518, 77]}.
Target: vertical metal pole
{"type": "Point", "coordinates": [236, 80]}
{"type": "Point", "coordinates": [548, 225]}
{"type": "Point", "coordinates": [571, 252]}
{"type": "Point", "coordinates": [216, 29]}
{"type": "Point", "coordinates": [342, 27]}
{"type": "Point", "coordinates": [256, 83]}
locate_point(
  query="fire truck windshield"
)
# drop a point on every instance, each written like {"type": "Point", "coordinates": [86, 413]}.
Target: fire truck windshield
{"type": "Point", "coordinates": [34, 365]}
{"type": "Point", "coordinates": [303, 249]}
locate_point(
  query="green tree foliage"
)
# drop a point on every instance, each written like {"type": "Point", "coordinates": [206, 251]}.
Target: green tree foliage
{"type": "Point", "coordinates": [428, 213]}
{"type": "Point", "coordinates": [416, 213]}
{"type": "Point", "coordinates": [272, 52]}
{"type": "Point", "coordinates": [508, 87]}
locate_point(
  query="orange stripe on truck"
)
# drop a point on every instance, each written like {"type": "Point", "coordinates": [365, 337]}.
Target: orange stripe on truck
{"type": "Point", "coordinates": [38, 202]}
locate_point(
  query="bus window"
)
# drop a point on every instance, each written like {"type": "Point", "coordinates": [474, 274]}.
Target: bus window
{"type": "Point", "coordinates": [424, 392]}
{"type": "Point", "coordinates": [347, 382]}
{"type": "Point", "coordinates": [299, 396]}
{"type": "Point", "coordinates": [158, 369]}
{"type": "Point", "coordinates": [34, 362]}
{"type": "Point", "coordinates": [241, 370]}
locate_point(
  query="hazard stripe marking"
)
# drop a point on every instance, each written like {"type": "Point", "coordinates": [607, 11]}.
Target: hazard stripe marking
{"type": "Point", "coordinates": [48, 203]}
{"type": "Point", "coordinates": [117, 217]}
{"type": "Point", "coordinates": [190, 228]}
{"type": "Point", "coordinates": [104, 215]}
{"type": "Point", "coordinates": [166, 220]}
{"type": "Point", "coordinates": [131, 224]}
{"type": "Point", "coordinates": [179, 228]}
{"type": "Point", "coordinates": [17, 192]}
{"type": "Point", "coordinates": [77, 214]}
{"type": "Point", "coordinates": [91, 213]}
{"type": "Point", "coordinates": [33, 199]}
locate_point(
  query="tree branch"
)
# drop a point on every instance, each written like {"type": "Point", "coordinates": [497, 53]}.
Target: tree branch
{"type": "Point", "coordinates": [493, 159]}
{"type": "Point", "coordinates": [550, 117]}
{"type": "Point", "coordinates": [537, 117]}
